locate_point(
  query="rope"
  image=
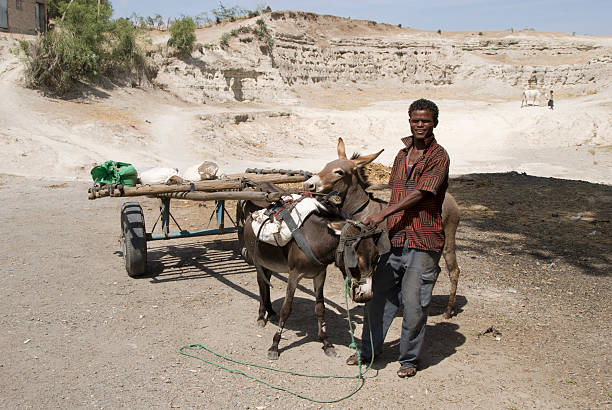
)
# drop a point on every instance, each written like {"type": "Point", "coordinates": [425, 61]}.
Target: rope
{"type": "Point", "coordinates": [353, 345]}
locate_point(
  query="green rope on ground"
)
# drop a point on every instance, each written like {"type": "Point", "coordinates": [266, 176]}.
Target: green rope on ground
{"type": "Point", "coordinates": [353, 345]}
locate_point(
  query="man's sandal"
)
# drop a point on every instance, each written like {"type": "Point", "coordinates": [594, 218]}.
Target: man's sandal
{"type": "Point", "coordinates": [406, 371]}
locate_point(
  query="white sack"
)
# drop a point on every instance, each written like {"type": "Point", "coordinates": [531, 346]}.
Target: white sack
{"type": "Point", "coordinates": [201, 172]}
{"type": "Point", "coordinates": [158, 175]}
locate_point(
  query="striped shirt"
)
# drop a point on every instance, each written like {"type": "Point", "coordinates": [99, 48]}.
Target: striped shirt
{"type": "Point", "coordinates": [420, 226]}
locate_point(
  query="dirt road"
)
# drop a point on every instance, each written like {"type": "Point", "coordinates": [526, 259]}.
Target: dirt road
{"type": "Point", "coordinates": [79, 333]}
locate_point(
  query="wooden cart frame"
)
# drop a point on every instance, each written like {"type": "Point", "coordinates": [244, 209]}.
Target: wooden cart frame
{"type": "Point", "coordinates": [134, 236]}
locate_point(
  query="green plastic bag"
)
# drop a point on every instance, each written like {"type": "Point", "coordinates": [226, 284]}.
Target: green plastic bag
{"type": "Point", "coordinates": [112, 172]}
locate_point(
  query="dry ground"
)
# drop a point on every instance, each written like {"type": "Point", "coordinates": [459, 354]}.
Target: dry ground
{"type": "Point", "coordinates": [79, 333]}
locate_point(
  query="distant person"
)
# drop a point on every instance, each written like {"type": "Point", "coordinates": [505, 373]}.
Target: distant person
{"type": "Point", "coordinates": [407, 274]}
{"type": "Point", "coordinates": [551, 103]}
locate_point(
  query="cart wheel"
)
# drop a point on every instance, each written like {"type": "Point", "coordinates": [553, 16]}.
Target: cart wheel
{"type": "Point", "coordinates": [134, 239]}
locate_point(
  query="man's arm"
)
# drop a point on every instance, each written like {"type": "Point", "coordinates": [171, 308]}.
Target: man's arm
{"type": "Point", "coordinates": [434, 174]}
{"type": "Point", "coordinates": [410, 200]}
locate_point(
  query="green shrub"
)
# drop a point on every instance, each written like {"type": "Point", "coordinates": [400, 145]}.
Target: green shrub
{"type": "Point", "coordinates": [126, 55]}
{"type": "Point", "coordinates": [57, 59]}
{"type": "Point", "coordinates": [182, 35]}
{"type": "Point", "coordinates": [82, 47]}
{"type": "Point", "coordinates": [225, 39]}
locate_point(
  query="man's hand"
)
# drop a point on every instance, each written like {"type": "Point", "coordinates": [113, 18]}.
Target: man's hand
{"type": "Point", "coordinates": [374, 219]}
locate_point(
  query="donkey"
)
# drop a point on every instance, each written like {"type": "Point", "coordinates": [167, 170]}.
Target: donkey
{"type": "Point", "coordinates": [530, 97]}
{"type": "Point", "coordinates": [323, 234]}
{"type": "Point", "coordinates": [346, 176]}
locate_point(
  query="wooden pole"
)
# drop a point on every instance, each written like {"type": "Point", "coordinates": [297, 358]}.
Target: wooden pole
{"type": "Point", "coordinates": [206, 186]}
{"type": "Point", "coordinates": [223, 195]}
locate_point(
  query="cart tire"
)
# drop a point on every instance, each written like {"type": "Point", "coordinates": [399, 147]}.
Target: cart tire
{"type": "Point", "coordinates": [134, 239]}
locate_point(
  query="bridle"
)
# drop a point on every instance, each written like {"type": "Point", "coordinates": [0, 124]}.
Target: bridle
{"type": "Point", "coordinates": [346, 253]}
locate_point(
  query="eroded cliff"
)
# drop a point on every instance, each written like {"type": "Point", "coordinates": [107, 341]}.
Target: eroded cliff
{"type": "Point", "coordinates": [326, 50]}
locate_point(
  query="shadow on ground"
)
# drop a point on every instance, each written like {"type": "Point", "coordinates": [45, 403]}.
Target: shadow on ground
{"type": "Point", "coordinates": [549, 219]}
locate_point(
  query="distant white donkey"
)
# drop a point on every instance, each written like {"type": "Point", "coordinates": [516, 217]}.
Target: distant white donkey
{"type": "Point", "coordinates": [530, 97]}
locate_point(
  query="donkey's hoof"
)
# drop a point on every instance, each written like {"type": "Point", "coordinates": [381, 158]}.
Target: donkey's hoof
{"type": "Point", "coordinates": [330, 351]}
{"type": "Point", "coordinates": [448, 313]}
{"type": "Point", "coordinates": [272, 354]}
{"type": "Point", "coordinates": [261, 322]}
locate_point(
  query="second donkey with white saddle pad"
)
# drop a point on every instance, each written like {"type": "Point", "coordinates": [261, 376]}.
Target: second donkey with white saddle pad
{"type": "Point", "coordinates": [272, 229]}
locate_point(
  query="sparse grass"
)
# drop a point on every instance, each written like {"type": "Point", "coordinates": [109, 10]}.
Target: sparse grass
{"type": "Point", "coordinates": [225, 40]}
{"type": "Point", "coordinates": [260, 31]}
{"type": "Point", "coordinates": [234, 13]}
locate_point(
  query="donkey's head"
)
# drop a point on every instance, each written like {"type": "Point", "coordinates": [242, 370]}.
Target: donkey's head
{"type": "Point", "coordinates": [340, 174]}
{"type": "Point", "coordinates": [357, 256]}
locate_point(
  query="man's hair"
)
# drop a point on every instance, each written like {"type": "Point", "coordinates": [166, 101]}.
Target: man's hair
{"type": "Point", "coordinates": [423, 104]}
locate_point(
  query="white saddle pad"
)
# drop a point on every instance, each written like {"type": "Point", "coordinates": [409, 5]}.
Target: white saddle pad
{"type": "Point", "coordinates": [276, 232]}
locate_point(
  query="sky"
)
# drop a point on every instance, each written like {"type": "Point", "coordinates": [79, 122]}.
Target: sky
{"type": "Point", "coordinates": [589, 17]}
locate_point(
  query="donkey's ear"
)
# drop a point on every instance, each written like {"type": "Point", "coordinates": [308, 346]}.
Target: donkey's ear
{"type": "Point", "coordinates": [341, 149]}
{"type": "Point", "coordinates": [366, 159]}
{"type": "Point", "coordinates": [336, 226]}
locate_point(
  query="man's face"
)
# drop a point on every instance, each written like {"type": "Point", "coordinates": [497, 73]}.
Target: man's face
{"type": "Point", "coordinates": [422, 123]}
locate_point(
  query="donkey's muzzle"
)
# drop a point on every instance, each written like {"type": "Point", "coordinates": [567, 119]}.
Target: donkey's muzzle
{"type": "Point", "coordinates": [362, 292]}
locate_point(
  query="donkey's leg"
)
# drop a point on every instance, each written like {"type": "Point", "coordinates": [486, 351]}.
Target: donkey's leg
{"type": "Point", "coordinates": [265, 304]}
{"type": "Point", "coordinates": [319, 282]}
{"type": "Point", "coordinates": [292, 282]}
{"type": "Point", "coordinates": [450, 257]}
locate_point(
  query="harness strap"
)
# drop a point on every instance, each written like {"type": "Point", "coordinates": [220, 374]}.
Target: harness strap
{"type": "Point", "coordinates": [298, 236]}
{"type": "Point", "coordinates": [340, 248]}
{"type": "Point", "coordinates": [360, 208]}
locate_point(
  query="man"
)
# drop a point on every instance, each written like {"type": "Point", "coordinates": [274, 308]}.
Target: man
{"type": "Point", "coordinates": [551, 103]}
{"type": "Point", "coordinates": [406, 275]}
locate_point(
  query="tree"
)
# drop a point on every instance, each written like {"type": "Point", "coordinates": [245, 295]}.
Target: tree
{"type": "Point", "coordinates": [56, 8]}
{"type": "Point", "coordinates": [202, 18]}
{"type": "Point", "coordinates": [84, 45]}
{"type": "Point", "coordinates": [159, 21]}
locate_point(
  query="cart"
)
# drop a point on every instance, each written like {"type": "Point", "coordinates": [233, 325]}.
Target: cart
{"type": "Point", "coordinates": [134, 236]}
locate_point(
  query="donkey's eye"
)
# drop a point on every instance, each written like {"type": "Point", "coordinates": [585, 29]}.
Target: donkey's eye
{"type": "Point", "coordinates": [339, 172]}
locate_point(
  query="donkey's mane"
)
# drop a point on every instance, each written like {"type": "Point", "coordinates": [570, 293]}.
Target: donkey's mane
{"type": "Point", "coordinates": [361, 175]}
